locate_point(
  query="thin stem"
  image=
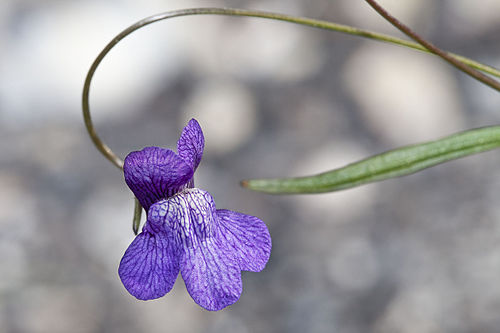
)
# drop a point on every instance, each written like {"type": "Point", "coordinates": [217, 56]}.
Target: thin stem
{"type": "Point", "coordinates": [118, 162]}
{"type": "Point", "coordinates": [432, 48]}
{"type": "Point", "coordinates": [394, 163]}
{"type": "Point", "coordinates": [136, 223]}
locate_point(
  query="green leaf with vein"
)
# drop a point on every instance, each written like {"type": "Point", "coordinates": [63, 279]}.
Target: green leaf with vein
{"type": "Point", "coordinates": [394, 163]}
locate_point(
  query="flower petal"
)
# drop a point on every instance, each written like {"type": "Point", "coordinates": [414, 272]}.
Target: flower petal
{"type": "Point", "coordinates": [150, 266]}
{"type": "Point", "coordinates": [211, 274]}
{"type": "Point", "coordinates": [247, 237]}
{"type": "Point", "coordinates": [190, 216]}
{"type": "Point", "coordinates": [191, 143]}
{"type": "Point", "coordinates": [155, 173]}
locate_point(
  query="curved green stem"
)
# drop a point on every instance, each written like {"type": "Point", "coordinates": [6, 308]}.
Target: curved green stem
{"type": "Point", "coordinates": [118, 162]}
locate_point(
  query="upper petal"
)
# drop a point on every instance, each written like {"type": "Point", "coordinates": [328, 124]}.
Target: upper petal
{"type": "Point", "coordinates": [155, 173]}
{"type": "Point", "coordinates": [191, 143]}
{"type": "Point", "coordinates": [247, 237]}
{"type": "Point", "coordinates": [150, 266]}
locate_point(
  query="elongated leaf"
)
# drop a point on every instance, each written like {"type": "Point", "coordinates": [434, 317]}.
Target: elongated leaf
{"type": "Point", "coordinates": [394, 163]}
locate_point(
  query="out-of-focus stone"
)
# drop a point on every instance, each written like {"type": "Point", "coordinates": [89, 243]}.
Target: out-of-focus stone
{"type": "Point", "coordinates": [294, 55]}
{"type": "Point", "coordinates": [18, 207]}
{"type": "Point", "coordinates": [484, 101]}
{"type": "Point", "coordinates": [414, 310]}
{"type": "Point", "coordinates": [36, 91]}
{"type": "Point", "coordinates": [107, 216]}
{"type": "Point", "coordinates": [470, 18]}
{"type": "Point", "coordinates": [14, 265]}
{"type": "Point", "coordinates": [405, 97]}
{"type": "Point", "coordinates": [353, 265]}
{"type": "Point", "coordinates": [183, 314]}
{"type": "Point", "coordinates": [57, 309]}
{"type": "Point", "coordinates": [226, 112]}
{"type": "Point", "coordinates": [419, 15]}
{"type": "Point", "coordinates": [245, 48]}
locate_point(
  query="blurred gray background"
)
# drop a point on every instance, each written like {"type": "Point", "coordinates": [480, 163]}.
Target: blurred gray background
{"type": "Point", "coordinates": [415, 254]}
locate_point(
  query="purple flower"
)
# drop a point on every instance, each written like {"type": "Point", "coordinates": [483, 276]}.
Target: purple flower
{"type": "Point", "coordinates": [185, 232]}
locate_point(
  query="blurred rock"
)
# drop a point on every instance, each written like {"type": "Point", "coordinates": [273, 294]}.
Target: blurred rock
{"type": "Point", "coordinates": [352, 264]}
{"type": "Point", "coordinates": [226, 110]}
{"type": "Point", "coordinates": [419, 15]}
{"type": "Point", "coordinates": [469, 19]}
{"type": "Point", "coordinates": [58, 309]}
{"type": "Point", "coordinates": [413, 93]}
